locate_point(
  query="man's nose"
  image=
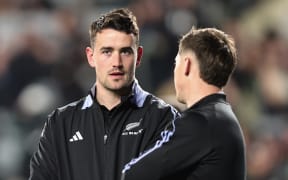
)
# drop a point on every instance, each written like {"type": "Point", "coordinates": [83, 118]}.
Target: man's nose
{"type": "Point", "coordinates": [117, 60]}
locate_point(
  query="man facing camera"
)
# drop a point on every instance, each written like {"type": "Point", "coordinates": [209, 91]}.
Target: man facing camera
{"type": "Point", "coordinates": [94, 137]}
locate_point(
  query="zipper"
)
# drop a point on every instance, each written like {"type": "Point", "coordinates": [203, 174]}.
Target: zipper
{"type": "Point", "coordinates": [106, 154]}
{"type": "Point", "coordinates": [105, 138]}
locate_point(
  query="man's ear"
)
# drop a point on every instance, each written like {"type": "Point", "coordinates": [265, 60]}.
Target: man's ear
{"type": "Point", "coordinates": [139, 55]}
{"type": "Point", "coordinates": [187, 66]}
{"type": "Point", "coordinates": [89, 55]}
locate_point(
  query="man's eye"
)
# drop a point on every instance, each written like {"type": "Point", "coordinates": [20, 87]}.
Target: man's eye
{"type": "Point", "coordinates": [106, 52]}
{"type": "Point", "coordinates": [127, 52]}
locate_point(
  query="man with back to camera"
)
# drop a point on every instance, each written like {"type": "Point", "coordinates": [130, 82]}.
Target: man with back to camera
{"type": "Point", "coordinates": [208, 141]}
{"type": "Point", "coordinates": [93, 138]}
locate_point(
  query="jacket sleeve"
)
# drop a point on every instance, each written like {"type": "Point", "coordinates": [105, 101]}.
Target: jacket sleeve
{"type": "Point", "coordinates": [165, 127]}
{"type": "Point", "coordinates": [164, 130]}
{"type": "Point", "coordinates": [43, 164]}
{"type": "Point", "coordinates": [182, 151]}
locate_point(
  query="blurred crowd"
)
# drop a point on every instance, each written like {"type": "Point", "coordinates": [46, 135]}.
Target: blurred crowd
{"type": "Point", "coordinates": [43, 66]}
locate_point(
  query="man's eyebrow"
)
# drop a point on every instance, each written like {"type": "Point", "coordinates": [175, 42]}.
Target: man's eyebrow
{"type": "Point", "coordinates": [106, 48]}
{"type": "Point", "coordinates": [128, 48]}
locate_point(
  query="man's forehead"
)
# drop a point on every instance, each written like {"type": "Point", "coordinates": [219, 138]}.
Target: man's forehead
{"type": "Point", "coordinates": [108, 45]}
{"type": "Point", "coordinates": [113, 38]}
{"type": "Point", "coordinates": [112, 32]}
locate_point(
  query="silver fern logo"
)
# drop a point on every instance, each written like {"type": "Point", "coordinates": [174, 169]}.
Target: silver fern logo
{"type": "Point", "coordinates": [129, 127]}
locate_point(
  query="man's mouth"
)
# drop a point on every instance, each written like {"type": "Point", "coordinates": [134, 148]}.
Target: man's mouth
{"type": "Point", "coordinates": [117, 74]}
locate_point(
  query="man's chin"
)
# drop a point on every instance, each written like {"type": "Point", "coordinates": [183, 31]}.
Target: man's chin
{"type": "Point", "coordinates": [180, 100]}
{"type": "Point", "coordinates": [120, 88]}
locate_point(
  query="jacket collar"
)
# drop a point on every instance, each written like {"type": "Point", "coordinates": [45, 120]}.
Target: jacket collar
{"type": "Point", "coordinates": [217, 97]}
{"type": "Point", "coordinates": [136, 97]}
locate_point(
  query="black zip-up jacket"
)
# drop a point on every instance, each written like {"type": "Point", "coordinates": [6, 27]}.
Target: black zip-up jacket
{"type": "Point", "coordinates": [78, 143]}
{"type": "Point", "coordinates": [207, 144]}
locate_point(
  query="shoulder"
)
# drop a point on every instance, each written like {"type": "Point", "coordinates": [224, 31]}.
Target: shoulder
{"type": "Point", "coordinates": [67, 110]}
{"type": "Point", "coordinates": [217, 115]}
{"type": "Point", "coordinates": [157, 104]}
{"type": "Point", "coordinates": [194, 120]}
{"type": "Point", "coordinates": [218, 120]}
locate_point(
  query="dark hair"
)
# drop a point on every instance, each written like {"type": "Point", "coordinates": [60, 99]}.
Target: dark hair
{"type": "Point", "coordinates": [120, 19]}
{"type": "Point", "coordinates": [215, 51]}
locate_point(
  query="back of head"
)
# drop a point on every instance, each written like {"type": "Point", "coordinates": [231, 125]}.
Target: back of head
{"type": "Point", "coordinates": [119, 19]}
{"type": "Point", "coordinates": [215, 51]}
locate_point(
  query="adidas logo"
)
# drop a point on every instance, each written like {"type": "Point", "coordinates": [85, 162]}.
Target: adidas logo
{"type": "Point", "coordinates": [76, 137]}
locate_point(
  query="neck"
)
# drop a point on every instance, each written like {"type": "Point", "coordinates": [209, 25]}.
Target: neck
{"type": "Point", "coordinates": [109, 98]}
{"type": "Point", "coordinates": [201, 91]}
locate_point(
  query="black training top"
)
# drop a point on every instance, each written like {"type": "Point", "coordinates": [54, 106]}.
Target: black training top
{"type": "Point", "coordinates": [79, 142]}
{"type": "Point", "coordinates": [207, 144]}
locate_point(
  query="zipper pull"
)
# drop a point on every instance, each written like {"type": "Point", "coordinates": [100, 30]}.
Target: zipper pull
{"type": "Point", "coordinates": [105, 138]}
